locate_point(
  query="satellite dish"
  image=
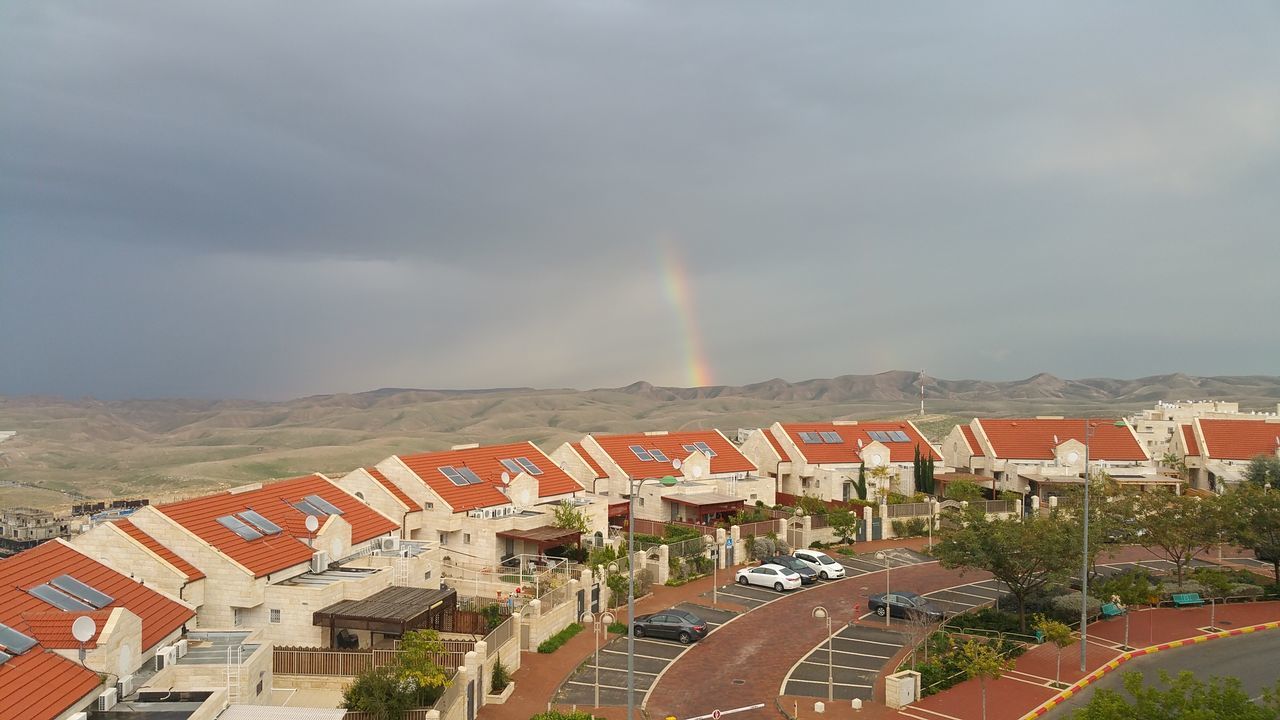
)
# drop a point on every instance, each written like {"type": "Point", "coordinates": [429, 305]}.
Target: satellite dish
{"type": "Point", "coordinates": [859, 443]}
{"type": "Point", "coordinates": [313, 523]}
{"type": "Point", "coordinates": [676, 463]}
{"type": "Point", "coordinates": [697, 472]}
{"type": "Point", "coordinates": [506, 478]}
{"type": "Point", "coordinates": [83, 628]}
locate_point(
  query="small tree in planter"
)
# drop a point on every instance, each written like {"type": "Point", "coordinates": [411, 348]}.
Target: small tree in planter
{"type": "Point", "coordinates": [843, 523]}
{"type": "Point", "coordinates": [1058, 634]}
{"type": "Point", "coordinates": [499, 679]}
{"type": "Point", "coordinates": [982, 662]}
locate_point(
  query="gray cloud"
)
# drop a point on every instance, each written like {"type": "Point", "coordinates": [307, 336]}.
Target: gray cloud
{"type": "Point", "coordinates": [271, 200]}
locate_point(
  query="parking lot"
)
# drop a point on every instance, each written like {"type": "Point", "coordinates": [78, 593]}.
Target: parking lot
{"type": "Point", "coordinates": [857, 654]}
{"type": "Point", "coordinates": [652, 657]}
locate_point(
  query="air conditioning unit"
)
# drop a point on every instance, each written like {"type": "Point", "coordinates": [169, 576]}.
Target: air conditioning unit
{"type": "Point", "coordinates": [125, 686]}
{"type": "Point", "coordinates": [107, 699]}
{"type": "Point", "coordinates": [320, 562]}
{"type": "Point", "coordinates": [182, 647]}
{"type": "Point", "coordinates": [475, 513]}
{"type": "Point", "coordinates": [390, 544]}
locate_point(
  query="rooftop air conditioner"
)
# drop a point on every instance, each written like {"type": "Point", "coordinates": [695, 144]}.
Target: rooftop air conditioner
{"type": "Point", "coordinates": [125, 686]}
{"type": "Point", "coordinates": [320, 562]}
{"type": "Point", "coordinates": [390, 544]}
{"type": "Point", "coordinates": [182, 646]}
{"type": "Point", "coordinates": [107, 699]}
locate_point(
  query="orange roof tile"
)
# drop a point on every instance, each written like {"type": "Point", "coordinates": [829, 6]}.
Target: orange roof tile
{"type": "Point", "coordinates": [1189, 439]}
{"type": "Point", "coordinates": [274, 501]}
{"type": "Point", "coordinates": [590, 461]}
{"type": "Point", "coordinates": [485, 462]}
{"type": "Point", "coordinates": [41, 685]}
{"type": "Point", "coordinates": [1032, 438]}
{"type": "Point", "coordinates": [727, 459]}
{"type": "Point", "coordinates": [972, 439]}
{"type": "Point", "coordinates": [775, 442]}
{"type": "Point", "coordinates": [1239, 439]}
{"type": "Point", "coordinates": [191, 571]}
{"type": "Point", "coordinates": [392, 488]}
{"type": "Point", "coordinates": [19, 573]}
{"type": "Point", "coordinates": [53, 627]}
{"type": "Point", "coordinates": [846, 451]}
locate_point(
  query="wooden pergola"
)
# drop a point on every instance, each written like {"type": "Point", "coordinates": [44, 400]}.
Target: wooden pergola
{"type": "Point", "coordinates": [390, 611]}
{"type": "Point", "coordinates": [545, 537]}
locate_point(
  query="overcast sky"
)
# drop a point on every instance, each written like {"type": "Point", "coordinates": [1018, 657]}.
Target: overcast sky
{"type": "Point", "coordinates": [266, 200]}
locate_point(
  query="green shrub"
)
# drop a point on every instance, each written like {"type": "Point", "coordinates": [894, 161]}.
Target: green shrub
{"type": "Point", "coordinates": [912, 527]}
{"type": "Point", "coordinates": [554, 642]}
{"type": "Point", "coordinates": [493, 616]}
{"type": "Point", "coordinates": [846, 551]}
{"type": "Point", "coordinates": [676, 533]}
{"type": "Point", "coordinates": [986, 619]}
{"type": "Point", "coordinates": [561, 715]}
{"type": "Point", "coordinates": [1133, 587]}
{"type": "Point", "coordinates": [499, 679]}
{"type": "Point", "coordinates": [1066, 608]}
{"type": "Point", "coordinates": [1215, 582]}
{"type": "Point", "coordinates": [618, 628]}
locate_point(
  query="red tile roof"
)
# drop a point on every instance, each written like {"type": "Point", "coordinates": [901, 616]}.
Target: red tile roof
{"type": "Point", "coordinates": [590, 461]}
{"type": "Point", "coordinates": [1032, 438]}
{"type": "Point", "coordinates": [1189, 439]}
{"type": "Point", "coordinates": [53, 627]}
{"type": "Point", "coordinates": [484, 462]}
{"type": "Point", "coordinates": [41, 685]}
{"type": "Point", "coordinates": [392, 488]}
{"type": "Point", "coordinates": [727, 459]}
{"type": "Point", "coordinates": [776, 443]}
{"type": "Point", "coordinates": [969, 437]}
{"type": "Point", "coordinates": [160, 615]}
{"type": "Point", "coordinates": [1238, 439]}
{"type": "Point", "coordinates": [846, 451]}
{"type": "Point", "coordinates": [274, 501]}
{"type": "Point", "coordinates": [191, 571]}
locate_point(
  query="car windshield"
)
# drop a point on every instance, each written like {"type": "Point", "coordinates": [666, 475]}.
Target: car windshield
{"type": "Point", "coordinates": [826, 559]}
{"type": "Point", "coordinates": [917, 601]}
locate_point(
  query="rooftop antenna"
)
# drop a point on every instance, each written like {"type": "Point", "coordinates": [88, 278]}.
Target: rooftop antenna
{"type": "Point", "coordinates": [83, 629]}
{"type": "Point", "coordinates": [922, 393]}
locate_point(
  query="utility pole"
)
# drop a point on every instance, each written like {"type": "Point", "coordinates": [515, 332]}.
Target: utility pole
{"type": "Point", "coordinates": [922, 393]}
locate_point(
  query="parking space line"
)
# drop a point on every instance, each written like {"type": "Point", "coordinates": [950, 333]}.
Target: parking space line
{"type": "Point", "coordinates": [624, 652]}
{"type": "Point", "coordinates": [606, 667]}
{"type": "Point", "coordinates": [837, 666]}
{"type": "Point", "coordinates": [823, 649]}
{"type": "Point", "coordinates": [872, 642]}
{"type": "Point", "coordinates": [592, 685]}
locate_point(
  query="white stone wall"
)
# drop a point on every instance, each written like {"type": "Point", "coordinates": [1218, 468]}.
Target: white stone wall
{"type": "Point", "coordinates": [360, 483]}
{"type": "Point", "coordinates": [760, 452]}
{"type": "Point", "coordinates": [578, 469]}
{"type": "Point", "coordinates": [110, 546]}
{"type": "Point", "coordinates": [254, 669]}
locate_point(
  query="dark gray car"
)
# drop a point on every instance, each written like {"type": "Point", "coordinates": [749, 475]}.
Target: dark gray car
{"type": "Point", "coordinates": [807, 575]}
{"type": "Point", "coordinates": [905, 605]}
{"type": "Point", "coordinates": [679, 625]}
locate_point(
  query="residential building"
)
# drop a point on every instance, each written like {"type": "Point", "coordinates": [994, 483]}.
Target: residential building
{"type": "Point", "coordinates": [1157, 427]}
{"type": "Point", "coordinates": [715, 478]}
{"type": "Point", "coordinates": [825, 459]}
{"type": "Point", "coordinates": [1217, 452]}
{"type": "Point", "coordinates": [252, 560]}
{"type": "Point", "coordinates": [486, 504]}
{"type": "Point", "coordinates": [1041, 455]}
{"type": "Point", "coordinates": [22, 528]}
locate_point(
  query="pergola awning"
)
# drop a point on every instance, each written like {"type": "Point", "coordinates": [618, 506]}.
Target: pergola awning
{"type": "Point", "coordinates": [544, 537]}
{"type": "Point", "coordinates": [394, 610]}
{"type": "Point", "coordinates": [708, 503]}
{"type": "Point", "coordinates": [617, 510]}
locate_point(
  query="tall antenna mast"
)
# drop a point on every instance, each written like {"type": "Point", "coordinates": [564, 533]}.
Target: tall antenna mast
{"type": "Point", "coordinates": [922, 393]}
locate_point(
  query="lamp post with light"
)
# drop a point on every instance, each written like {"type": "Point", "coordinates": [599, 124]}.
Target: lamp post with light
{"type": "Point", "coordinates": [820, 612]}
{"type": "Point", "coordinates": [888, 610]}
{"type": "Point", "coordinates": [606, 619]}
{"type": "Point", "coordinates": [666, 481]}
{"type": "Point", "coordinates": [1089, 429]}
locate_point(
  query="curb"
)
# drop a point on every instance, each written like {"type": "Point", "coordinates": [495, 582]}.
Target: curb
{"type": "Point", "coordinates": [1121, 659]}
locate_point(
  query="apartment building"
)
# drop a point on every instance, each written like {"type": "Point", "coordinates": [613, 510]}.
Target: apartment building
{"type": "Point", "coordinates": [22, 528]}
{"type": "Point", "coordinates": [268, 557]}
{"type": "Point", "coordinates": [486, 504]}
{"type": "Point", "coordinates": [1217, 452]}
{"type": "Point", "coordinates": [714, 478]}
{"type": "Point", "coordinates": [1040, 455]}
{"type": "Point", "coordinates": [825, 459]}
{"type": "Point", "coordinates": [1157, 427]}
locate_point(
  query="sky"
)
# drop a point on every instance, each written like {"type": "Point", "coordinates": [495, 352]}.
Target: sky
{"type": "Point", "coordinates": [269, 200]}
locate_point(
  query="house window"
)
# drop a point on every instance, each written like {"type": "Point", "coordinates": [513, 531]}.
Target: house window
{"type": "Point", "coordinates": [259, 687]}
{"type": "Point", "coordinates": [641, 502]}
{"type": "Point", "coordinates": [429, 506]}
{"type": "Point", "coordinates": [237, 617]}
{"type": "Point", "coordinates": [275, 616]}
{"type": "Point", "coordinates": [444, 538]}
{"type": "Point", "coordinates": [753, 496]}
{"type": "Point", "coordinates": [466, 538]}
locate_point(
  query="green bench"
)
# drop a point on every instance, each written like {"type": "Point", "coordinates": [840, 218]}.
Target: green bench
{"type": "Point", "coordinates": [1187, 599]}
{"type": "Point", "coordinates": [1111, 610]}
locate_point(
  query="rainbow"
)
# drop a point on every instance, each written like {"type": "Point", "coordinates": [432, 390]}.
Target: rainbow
{"type": "Point", "coordinates": [680, 295]}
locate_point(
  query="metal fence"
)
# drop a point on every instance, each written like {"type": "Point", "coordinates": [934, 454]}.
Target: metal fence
{"type": "Point", "coordinates": [456, 692]}
{"type": "Point", "coordinates": [349, 663]}
{"type": "Point", "coordinates": [902, 510]}
{"type": "Point", "coordinates": [693, 547]}
{"type": "Point", "coordinates": [500, 635]}
{"type": "Point", "coordinates": [414, 714]}
{"type": "Point", "coordinates": [1001, 506]}
{"type": "Point", "coordinates": [759, 529]}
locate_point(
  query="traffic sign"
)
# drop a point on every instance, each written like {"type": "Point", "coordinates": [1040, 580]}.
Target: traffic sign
{"type": "Point", "coordinates": [728, 542]}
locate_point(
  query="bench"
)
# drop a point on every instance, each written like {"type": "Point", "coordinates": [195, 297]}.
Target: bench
{"type": "Point", "coordinates": [1187, 599]}
{"type": "Point", "coordinates": [1111, 610]}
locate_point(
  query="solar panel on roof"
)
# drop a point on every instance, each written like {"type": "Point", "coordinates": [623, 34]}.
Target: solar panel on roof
{"type": "Point", "coordinates": [690, 448]}
{"type": "Point", "coordinates": [237, 526]}
{"type": "Point", "coordinates": [469, 475]}
{"type": "Point", "coordinates": [899, 436]}
{"type": "Point", "coordinates": [831, 437]}
{"type": "Point", "coordinates": [58, 599]}
{"type": "Point", "coordinates": [263, 525]}
{"type": "Point", "coordinates": [659, 455]}
{"type": "Point", "coordinates": [5, 657]}
{"type": "Point", "coordinates": [527, 464]}
{"type": "Point", "coordinates": [454, 476]}
{"type": "Point", "coordinates": [323, 504]}
{"type": "Point", "coordinates": [309, 509]}
{"type": "Point", "coordinates": [14, 641]}
{"type": "Point", "coordinates": [641, 453]}
{"type": "Point", "coordinates": [512, 466]}
{"type": "Point", "coordinates": [705, 448]}
{"type": "Point", "coordinates": [72, 586]}
{"type": "Point", "coordinates": [811, 438]}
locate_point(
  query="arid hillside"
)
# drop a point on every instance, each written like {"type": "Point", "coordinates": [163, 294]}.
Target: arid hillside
{"type": "Point", "coordinates": [68, 449]}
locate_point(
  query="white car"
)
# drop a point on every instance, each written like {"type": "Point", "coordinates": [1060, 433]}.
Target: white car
{"type": "Point", "coordinates": [769, 575]}
{"type": "Point", "coordinates": [821, 563]}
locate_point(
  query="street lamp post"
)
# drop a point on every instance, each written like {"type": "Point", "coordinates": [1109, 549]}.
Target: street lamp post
{"type": "Point", "coordinates": [930, 501]}
{"type": "Point", "coordinates": [606, 619]}
{"type": "Point", "coordinates": [820, 612]}
{"type": "Point", "coordinates": [667, 481]}
{"type": "Point", "coordinates": [1084, 560]}
{"type": "Point", "coordinates": [888, 611]}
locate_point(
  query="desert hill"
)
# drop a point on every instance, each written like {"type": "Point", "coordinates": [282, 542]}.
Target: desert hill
{"type": "Point", "coordinates": [67, 449]}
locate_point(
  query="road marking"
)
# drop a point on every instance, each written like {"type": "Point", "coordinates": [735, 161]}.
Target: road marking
{"type": "Point", "coordinates": [871, 642]}
{"type": "Point", "coordinates": [823, 650]}
{"type": "Point", "coordinates": [824, 682]}
{"type": "Point", "coordinates": [719, 712]}
{"type": "Point", "coordinates": [621, 670]}
{"type": "Point", "coordinates": [836, 665]}
{"type": "Point", "coordinates": [624, 652]}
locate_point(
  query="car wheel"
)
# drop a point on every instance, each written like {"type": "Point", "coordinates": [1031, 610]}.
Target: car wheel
{"type": "Point", "coordinates": [825, 576]}
{"type": "Point", "coordinates": [777, 586]}
{"type": "Point", "coordinates": [685, 638]}
{"type": "Point", "coordinates": [742, 580]}
{"type": "Point", "coordinates": [880, 611]}
{"type": "Point", "coordinates": [639, 631]}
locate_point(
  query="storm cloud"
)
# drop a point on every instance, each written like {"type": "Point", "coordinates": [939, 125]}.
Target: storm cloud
{"type": "Point", "coordinates": [274, 199]}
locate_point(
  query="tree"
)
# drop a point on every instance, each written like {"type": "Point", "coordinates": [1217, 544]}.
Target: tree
{"type": "Point", "coordinates": [928, 474]}
{"type": "Point", "coordinates": [1025, 555]}
{"type": "Point", "coordinates": [1182, 697]}
{"type": "Point", "coordinates": [1110, 511]}
{"type": "Point", "coordinates": [964, 490]}
{"type": "Point", "coordinates": [1252, 519]}
{"type": "Point", "coordinates": [917, 471]}
{"type": "Point", "coordinates": [569, 517]}
{"type": "Point", "coordinates": [1176, 463]}
{"type": "Point", "coordinates": [983, 661]}
{"type": "Point", "coordinates": [862, 482]}
{"type": "Point", "coordinates": [412, 680]}
{"type": "Point", "coordinates": [843, 523]}
{"type": "Point", "coordinates": [1057, 633]}
{"type": "Point", "coordinates": [1264, 469]}
{"type": "Point", "coordinates": [1177, 527]}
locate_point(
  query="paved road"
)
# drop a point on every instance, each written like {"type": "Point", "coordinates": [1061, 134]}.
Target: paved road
{"type": "Point", "coordinates": [1252, 658]}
